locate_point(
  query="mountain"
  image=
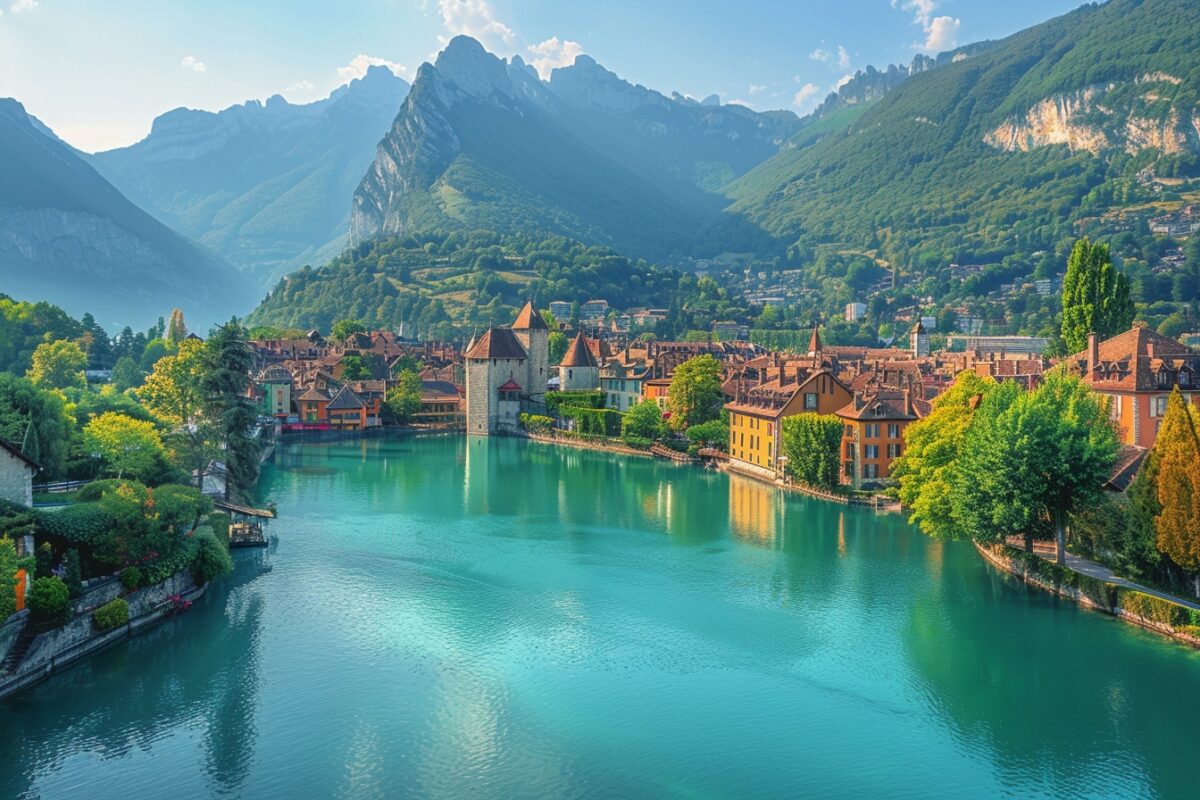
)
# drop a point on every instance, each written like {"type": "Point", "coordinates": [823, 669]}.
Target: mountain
{"type": "Point", "coordinates": [481, 143]}
{"type": "Point", "coordinates": [68, 236]}
{"type": "Point", "coordinates": [1004, 150]}
{"type": "Point", "coordinates": [267, 186]}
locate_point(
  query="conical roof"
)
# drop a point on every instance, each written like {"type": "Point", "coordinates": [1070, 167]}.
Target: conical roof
{"type": "Point", "coordinates": [578, 354]}
{"type": "Point", "coordinates": [814, 342]}
{"type": "Point", "coordinates": [530, 320]}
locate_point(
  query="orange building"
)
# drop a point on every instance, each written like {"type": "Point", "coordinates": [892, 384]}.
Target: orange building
{"type": "Point", "coordinates": [347, 411]}
{"type": "Point", "coordinates": [656, 390]}
{"type": "Point", "coordinates": [873, 436]}
{"type": "Point", "coordinates": [755, 418]}
{"type": "Point", "coordinates": [1137, 370]}
{"type": "Point", "coordinates": [313, 406]}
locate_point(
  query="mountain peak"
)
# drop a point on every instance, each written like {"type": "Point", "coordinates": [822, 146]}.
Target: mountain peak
{"type": "Point", "coordinates": [465, 62]}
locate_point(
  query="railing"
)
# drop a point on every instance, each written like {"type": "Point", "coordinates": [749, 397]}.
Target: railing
{"type": "Point", "coordinates": [59, 486]}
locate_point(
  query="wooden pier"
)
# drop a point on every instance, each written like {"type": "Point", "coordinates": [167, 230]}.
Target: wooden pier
{"type": "Point", "coordinates": [247, 526]}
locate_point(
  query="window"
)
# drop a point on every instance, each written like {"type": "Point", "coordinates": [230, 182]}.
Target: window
{"type": "Point", "coordinates": [870, 470]}
{"type": "Point", "coordinates": [849, 431]}
{"type": "Point", "coordinates": [870, 451]}
{"type": "Point", "coordinates": [810, 401]}
{"type": "Point", "coordinates": [893, 451]}
{"type": "Point", "coordinates": [1184, 378]}
{"type": "Point", "coordinates": [1158, 407]}
{"type": "Point", "coordinates": [893, 430]}
{"type": "Point", "coordinates": [1115, 407]}
{"type": "Point", "coordinates": [872, 430]}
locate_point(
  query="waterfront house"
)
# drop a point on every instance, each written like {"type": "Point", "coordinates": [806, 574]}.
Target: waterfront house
{"type": "Point", "coordinates": [346, 410]}
{"type": "Point", "coordinates": [755, 415]}
{"type": "Point", "coordinates": [873, 433]}
{"type": "Point", "coordinates": [507, 370]}
{"type": "Point", "coordinates": [441, 403]}
{"type": "Point", "coordinates": [622, 384]}
{"type": "Point", "coordinates": [16, 475]}
{"type": "Point", "coordinates": [313, 405]}
{"type": "Point", "coordinates": [275, 385]}
{"type": "Point", "coordinates": [1137, 370]}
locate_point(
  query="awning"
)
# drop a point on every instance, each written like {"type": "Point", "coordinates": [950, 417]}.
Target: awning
{"type": "Point", "coordinates": [246, 511]}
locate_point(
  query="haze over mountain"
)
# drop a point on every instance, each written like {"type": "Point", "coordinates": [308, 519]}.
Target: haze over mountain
{"type": "Point", "coordinates": [267, 186]}
{"type": "Point", "coordinates": [485, 143]}
{"type": "Point", "coordinates": [68, 236]}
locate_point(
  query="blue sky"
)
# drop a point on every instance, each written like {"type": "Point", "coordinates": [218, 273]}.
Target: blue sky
{"type": "Point", "coordinates": [99, 71]}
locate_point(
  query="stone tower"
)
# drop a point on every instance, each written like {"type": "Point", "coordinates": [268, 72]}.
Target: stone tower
{"type": "Point", "coordinates": [919, 340]}
{"type": "Point", "coordinates": [534, 335]}
{"type": "Point", "coordinates": [578, 370]}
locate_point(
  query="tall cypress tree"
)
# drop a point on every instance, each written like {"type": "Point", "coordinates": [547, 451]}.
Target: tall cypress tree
{"type": "Point", "coordinates": [1096, 298]}
{"type": "Point", "coordinates": [225, 383]}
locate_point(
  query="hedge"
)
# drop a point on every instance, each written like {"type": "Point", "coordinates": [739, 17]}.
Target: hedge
{"type": "Point", "coordinates": [112, 614]}
{"type": "Point", "coordinates": [594, 421]}
{"type": "Point", "coordinates": [555, 401]}
{"type": "Point", "coordinates": [82, 523]}
{"type": "Point", "coordinates": [1158, 610]}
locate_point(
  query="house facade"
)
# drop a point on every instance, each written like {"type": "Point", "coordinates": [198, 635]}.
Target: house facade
{"type": "Point", "coordinates": [873, 434]}
{"type": "Point", "coordinates": [16, 475]}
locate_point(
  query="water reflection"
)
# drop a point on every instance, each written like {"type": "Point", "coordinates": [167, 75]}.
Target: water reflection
{"type": "Point", "coordinates": [45, 728]}
{"type": "Point", "coordinates": [1012, 672]}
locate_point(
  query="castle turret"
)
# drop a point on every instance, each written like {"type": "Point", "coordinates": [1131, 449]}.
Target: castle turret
{"type": "Point", "coordinates": [534, 335]}
{"type": "Point", "coordinates": [579, 370]}
{"type": "Point", "coordinates": [919, 340]}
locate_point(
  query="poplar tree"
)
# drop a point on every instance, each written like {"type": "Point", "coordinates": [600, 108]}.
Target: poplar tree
{"type": "Point", "coordinates": [1177, 453]}
{"type": "Point", "coordinates": [1095, 296]}
{"type": "Point", "coordinates": [812, 444]}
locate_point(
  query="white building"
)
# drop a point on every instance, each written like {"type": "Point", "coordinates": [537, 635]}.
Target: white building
{"type": "Point", "coordinates": [560, 310]}
{"type": "Point", "coordinates": [855, 311]}
{"type": "Point", "coordinates": [507, 370]}
{"type": "Point", "coordinates": [593, 309]}
{"type": "Point", "coordinates": [16, 475]}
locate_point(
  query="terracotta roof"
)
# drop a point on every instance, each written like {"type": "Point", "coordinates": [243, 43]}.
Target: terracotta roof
{"type": "Point", "coordinates": [314, 393]}
{"type": "Point", "coordinates": [432, 390]}
{"type": "Point", "coordinates": [882, 405]}
{"type": "Point", "coordinates": [1132, 361]}
{"type": "Point", "coordinates": [578, 354]}
{"type": "Point", "coordinates": [530, 320]}
{"type": "Point", "coordinates": [4, 445]}
{"type": "Point", "coordinates": [814, 341]}
{"type": "Point", "coordinates": [497, 343]}
{"type": "Point", "coordinates": [345, 400]}
{"type": "Point", "coordinates": [510, 386]}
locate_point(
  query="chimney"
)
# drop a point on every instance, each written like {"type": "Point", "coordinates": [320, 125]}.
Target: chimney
{"type": "Point", "coordinates": [1150, 349]}
{"type": "Point", "coordinates": [907, 402]}
{"type": "Point", "coordinates": [1093, 354]}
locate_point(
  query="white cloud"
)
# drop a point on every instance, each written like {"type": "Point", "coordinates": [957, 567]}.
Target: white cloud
{"type": "Point", "coordinates": [737, 101]}
{"type": "Point", "coordinates": [360, 63]}
{"type": "Point", "coordinates": [839, 58]}
{"type": "Point", "coordinates": [756, 89]}
{"type": "Point", "coordinates": [941, 33]}
{"type": "Point", "coordinates": [820, 55]}
{"type": "Point", "coordinates": [23, 5]}
{"type": "Point", "coordinates": [300, 89]}
{"type": "Point", "coordinates": [475, 18]}
{"type": "Point", "coordinates": [807, 92]}
{"type": "Point", "coordinates": [843, 58]}
{"type": "Point", "coordinates": [192, 63]}
{"type": "Point", "coordinates": [553, 53]}
{"type": "Point", "coordinates": [842, 81]}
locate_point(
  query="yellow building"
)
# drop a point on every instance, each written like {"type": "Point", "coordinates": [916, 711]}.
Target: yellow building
{"type": "Point", "coordinates": [754, 420]}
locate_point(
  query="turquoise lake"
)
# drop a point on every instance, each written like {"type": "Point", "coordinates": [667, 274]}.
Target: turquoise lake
{"type": "Point", "coordinates": [452, 618]}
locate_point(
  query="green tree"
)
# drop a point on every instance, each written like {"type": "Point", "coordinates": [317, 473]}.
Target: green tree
{"type": "Point", "coordinates": [353, 368]}
{"type": "Point", "coordinates": [225, 381]}
{"type": "Point", "coordinates": [694, 396]}
{"type": "Point", "coordinates": [1177, 523]}
{"type": "Point", "coordinates": [643, 421]}
{"type": "Point", "coordinates": [404, 399]}
{"type": "Point", "coordinates": [58, 365]}
{"type": "Point", "coordinates": [406, 363]}
{"type": "Point", "coordinates": [931, 449]}
{"type": "Point", "coordinates": [37, 422]}
{"type": "Point", "coordinates": [49, 603]}
{"type": "Point", "coordinates": [172, 391]}
{"type": "Point", "coordinates": [128, 447]}
{"type": "Point", "coordinates": [1096, 298]}
{"type": "Point", "coordinates": [346, 327]}
{"type": "Point", "coordinates": [558, 344]}
{"type": "Point", "coordinates": [176, 328]}
{"type": "Point", "coordinates": [1174, 325]}
{"type": "Point", "coordinates": [812, 444]}
{"type": "Point", "coordinates": [126, 375]}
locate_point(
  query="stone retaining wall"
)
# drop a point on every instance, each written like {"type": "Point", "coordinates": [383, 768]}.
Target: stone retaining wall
{"type": "Point", "coordinates": [53, 650]}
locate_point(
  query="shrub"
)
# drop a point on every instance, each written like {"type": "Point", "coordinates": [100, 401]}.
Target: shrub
{"type": "Point", "coordinates": [556, 401]}
{"type": "Point", "coordinates": [112, 614]}
{"type": "Point", "coordinates": [79, 524]}
{"type": "Point", "coordinates": [95, 490]}
{"type": "Point", "coordinates": [638, 442]}
{"type": "Point", "coordinates": [642, 422]}
{"type": "Point", "coordinates": [211, 559]}
{"type": "Point", "coordinates": [1155, 608]}
{"type": "Point", "coordinates": [537, 423]}
{"type": "Point", "coordinates": [49, 603]}
{"type": "Point", "coordinates": [74, 573]}
{"type": "Point", "coordinates": [131, 578]}
{"type": "Point", "coordinates": [45, 561]}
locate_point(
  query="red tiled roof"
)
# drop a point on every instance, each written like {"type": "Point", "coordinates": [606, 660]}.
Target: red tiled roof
{"type": "Point", "coordinates": [510, 386]}
{"type": "Point", "coordinates": [578, 354]}
{"type": "Point", "coordinates": [529, 320]}
{"type": "Point", "coordinates": [1125, 363]}
{"type": "Point", "coordinates": [497, 343]}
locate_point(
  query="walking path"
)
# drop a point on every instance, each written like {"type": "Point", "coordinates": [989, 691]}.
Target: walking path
{"type": "Point", "coordinates": [1095, 569]}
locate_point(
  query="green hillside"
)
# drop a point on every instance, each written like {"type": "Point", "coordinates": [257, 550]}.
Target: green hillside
{"type": "Point", "coordinates": [915, 177]}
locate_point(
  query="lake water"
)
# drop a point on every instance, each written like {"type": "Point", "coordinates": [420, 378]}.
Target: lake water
{"type": "Point", "coordinates": [454, 618]}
